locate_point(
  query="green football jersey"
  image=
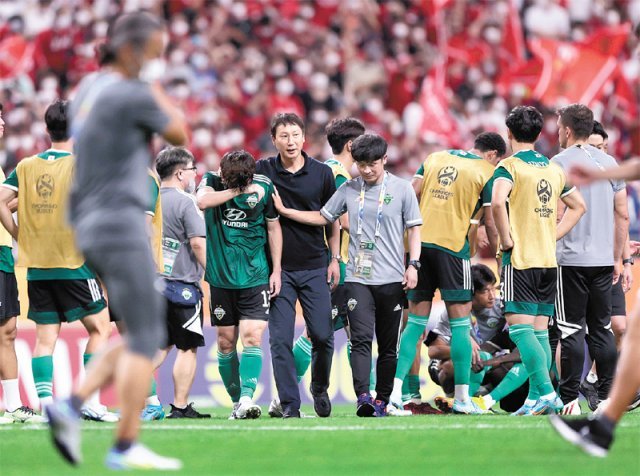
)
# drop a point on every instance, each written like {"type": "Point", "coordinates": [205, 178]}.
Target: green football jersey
{"type": "Point", "coordinates": [237, 236]}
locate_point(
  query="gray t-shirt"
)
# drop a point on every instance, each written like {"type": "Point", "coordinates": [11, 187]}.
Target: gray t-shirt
{"type": "Point", "coordinates": [181, 221]}
{"type": "Point", "coordinates": [113, 120]}
{"type": "Point", "coordinates": [488, 323]}
{"type": "Point", "coordinates": [590, 242]}
{"type": "Point", "coordinates": [400, 210]}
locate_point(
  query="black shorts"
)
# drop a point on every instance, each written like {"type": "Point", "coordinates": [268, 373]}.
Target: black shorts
{"type": "Point", "coordinates": [442, 270]}
{"type": "Point", "coordinates": [184, 326]}
{"type": "Point", "coordinates": [64, 300]}
{"type": "Point", "coordinates": [618, 302]}
{"type": "Point", "coordinates": [339, 307]}
{"type": "Point", "coordinates": [230, 306]}
{"type": "Point", "coordinates": [528, 291]}
{"type": "Point", "coordinates": [9, 303]}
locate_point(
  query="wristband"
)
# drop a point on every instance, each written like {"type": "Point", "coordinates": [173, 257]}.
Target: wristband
{"type": "Point", "coordinates": [628, 261]}
{"type": "Point", "coordinates": [474, 222]}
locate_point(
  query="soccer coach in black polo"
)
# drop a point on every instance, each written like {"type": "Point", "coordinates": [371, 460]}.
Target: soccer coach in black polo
{"type": "Point", "coordinates": [303, 184]}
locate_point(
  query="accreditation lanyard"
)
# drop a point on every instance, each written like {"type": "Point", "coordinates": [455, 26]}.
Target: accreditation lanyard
{"type": "Point", "coordinates": [383, 191]}
{"type": "Point", "coordinates": [596, 161]}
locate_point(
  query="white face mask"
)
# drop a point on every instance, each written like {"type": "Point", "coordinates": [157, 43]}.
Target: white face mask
{"type": "Point", "coordinates": [153, 70]}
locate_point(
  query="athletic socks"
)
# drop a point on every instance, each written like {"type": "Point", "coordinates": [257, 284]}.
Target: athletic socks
{"type": "Point", "coordinates": [11, 393]}
{"type": "Point", "coordinates": [461, 356]}
{"type": "Point", "coordinates": [302, 356]}
{"type": "Point", "coordinates": [534, 358]}
{"type": "Point", "coordinates": [516, 376]}
{"type": "Point", "coordinates": [42, 368]}
{"type": "Point", "coordinates": [410, 335]}
{"type": "Point", "coordinates": [411, 388]}
{"type": "Point", "coordinates": [229, 367]}
{"type": "Point", "coordinates": [153, 399]}
{"type": "Point", "coordinates": [250, 368]}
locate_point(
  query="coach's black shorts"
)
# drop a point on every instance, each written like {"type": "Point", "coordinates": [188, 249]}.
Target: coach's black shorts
{"type": "Point", "coordinates": [9, 302]}
{"type": "Point", "coordinates": [230, 306]}
{"type": "Point", "coordinates": [442, 270]}
{"type": "Point", "coordinates": [339, 307]}
{"type": "Point", "coordinates": [184, 326]}
{"type": "Point", "coordinates": [618, 303]}
{"type": "Point", "coordinates": [528, 291]}
{"type": "Point", "coordinates": [64, 300]}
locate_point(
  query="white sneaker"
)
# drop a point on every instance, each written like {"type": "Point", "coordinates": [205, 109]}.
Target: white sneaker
{"type": "Point", "coordinates": [6, 420]}
{"type": "Point", "coordinates": [140, 457]}
{"type": "Point", "coordinates": [275, 409]}
{"type": "Point", "coordinates": [393, 410]}
{"type": "Point", "coordinates": [233, 415]}
{"type": "Point", "coordinates": [571, 408]}
{"type": "Point", "coordinates": [601, 407]}
{"type": "Point", "coordinates": [99, 413]}
{"type": "Point", "coordinates": [25, 414]}
{"type": "Point", "coordinates": [64, 423]}
{"type": "Point", "coordinates": [248, 411]}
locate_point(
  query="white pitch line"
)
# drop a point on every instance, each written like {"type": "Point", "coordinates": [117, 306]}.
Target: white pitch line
{"type": "Point", "coordinates": [478, 426]}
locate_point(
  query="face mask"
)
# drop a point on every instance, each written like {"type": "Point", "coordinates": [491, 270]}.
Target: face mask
{"type": "Point", "coordinates": [153, 70]}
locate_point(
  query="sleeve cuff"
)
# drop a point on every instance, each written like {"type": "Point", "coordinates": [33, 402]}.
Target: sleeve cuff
{"type": "Point", "coordinates": [571, 190]}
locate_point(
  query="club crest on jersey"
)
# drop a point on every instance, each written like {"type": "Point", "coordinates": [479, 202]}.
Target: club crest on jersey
{"type": "Point", "coordinates": [219, 312]}
{"type": "Point", "coordinates": [544, 191]}
{"type": "Point", "coordinates": [447, 175]}
{"type": "Point", "coordinates": [351, 304]}
{"type": "Point", "coordinates": [45, 186]}
{"type": "Point", "coordinates": [334, 312]}
{"type": "Point", "coordinates": [387, 199]}
{"type": "Point", "coordinates": [252, 200]}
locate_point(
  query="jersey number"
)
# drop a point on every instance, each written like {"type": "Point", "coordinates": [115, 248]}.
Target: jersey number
{"type": "Point", "coordinates": [265, 297]}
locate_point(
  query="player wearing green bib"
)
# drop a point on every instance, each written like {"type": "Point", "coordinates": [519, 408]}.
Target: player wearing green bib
{"type": "Point", "coordinates": [240, 218]}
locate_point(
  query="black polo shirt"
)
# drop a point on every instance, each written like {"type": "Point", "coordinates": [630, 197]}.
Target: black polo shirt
{"type": "Point", "coordinates": [309, 188]}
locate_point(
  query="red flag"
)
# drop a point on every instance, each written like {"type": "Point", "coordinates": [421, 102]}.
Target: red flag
{"type": "Point", "coordinates": [512, 47]}
{"type": "Point", "coordinates": [15, 56]}
{"type": "Point", "coordinates": [608, 40]}
{"type": "Point", "coordinates": [437, 123]}
{"type": "Point", "coordinates": [570, 73]}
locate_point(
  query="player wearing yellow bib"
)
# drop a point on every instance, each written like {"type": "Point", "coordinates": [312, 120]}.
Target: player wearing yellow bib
{"type": "Point", "coordinates": [456, 187]}
{"type": "Point", "coordinates": [528, 233]}
{"type": "Point", "coordinates": [61, 287]}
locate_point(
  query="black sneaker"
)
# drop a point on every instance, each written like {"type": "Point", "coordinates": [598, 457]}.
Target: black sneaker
{"type": "Point", "coordinates": [186, 412]}
{"type": "Point", "coordinates": [590, 435]}
{"type": "Point", "coordinates": [291, 413]}
{"type": "Point", "coordinates": [635, 403]}
{"type": "Point", "coordinates": [590, 392]}
{"type": "Point", "coordinates": [322, 405]}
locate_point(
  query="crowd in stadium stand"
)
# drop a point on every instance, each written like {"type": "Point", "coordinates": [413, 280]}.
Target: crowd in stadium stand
{"type": "Point", "coordinates": [232, 64]}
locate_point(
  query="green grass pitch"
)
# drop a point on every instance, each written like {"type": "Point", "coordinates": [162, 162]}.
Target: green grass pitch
{"type": "Point", "coordinates": [340, 445]}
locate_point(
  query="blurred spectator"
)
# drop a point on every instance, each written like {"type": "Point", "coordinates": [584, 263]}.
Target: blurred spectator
{"type": "Point", "coordinates": [232, 64]}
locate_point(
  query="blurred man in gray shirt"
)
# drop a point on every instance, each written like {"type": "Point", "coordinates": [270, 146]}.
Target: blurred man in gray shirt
{"type": "Point", "coordinates": [588, 260]}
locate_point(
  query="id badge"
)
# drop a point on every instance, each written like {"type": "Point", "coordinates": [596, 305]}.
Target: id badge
{"type": "Point", "coordinates": [364, 260]}
{"type": "Point", "coordinates": [170, 250]}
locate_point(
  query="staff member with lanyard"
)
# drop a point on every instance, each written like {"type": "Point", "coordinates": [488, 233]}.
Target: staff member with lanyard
{"type": "Point", "coordinates": [380, 207]}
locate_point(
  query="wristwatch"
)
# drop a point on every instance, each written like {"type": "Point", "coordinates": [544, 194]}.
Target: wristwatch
{"type": "Point", "coordinates": [338, 258]}
{"type": "Point", "coordinates": [628, 261]}
{"type": "Point", "coordinates": [416, 264]}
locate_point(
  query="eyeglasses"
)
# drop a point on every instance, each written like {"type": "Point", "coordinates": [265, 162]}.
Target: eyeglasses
{"type": "Point", "coordinates": [194, 168]}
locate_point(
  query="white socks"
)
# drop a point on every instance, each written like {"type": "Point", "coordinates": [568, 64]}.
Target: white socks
{"type": "Point", "coordinates": [11, 391]}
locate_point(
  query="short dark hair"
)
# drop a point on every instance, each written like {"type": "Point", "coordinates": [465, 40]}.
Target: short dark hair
{"type": "Point", "coordinates": [285, 119]}
{"type": "Point", "coordinates": [578, 118]}
{"type": "Point", "coordinates": [341, 131]}
{"type": "Point", "coordinates": [482, 277]}
{"type": "Point", "coordinates": [487, 141]}
{"type": "Point", "coordinates": [598, 129]}
{"type": "Point", "coordinates": [56, 119]}
{"type": "Point", "coordinates": [132, 28]}
{"type": "Point", "coordinates": [171, 158]}
{"type": "Point", "coordinates": [1, 107]}
{"type": "Point", "coordinates": [368, 148]}
{"type": "Point", "coordinates": [237, 168]}
{"type": "Point", "coordinates": [525, 123]}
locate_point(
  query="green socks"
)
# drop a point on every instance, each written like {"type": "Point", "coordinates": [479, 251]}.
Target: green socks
{"type": "Point", "coordinates": [229, 367]}
{"type": "Point", "coordinates": [410, 336]}
{"type": "Point", "coordinates": [250, 368]}
{"type": "Point", "coordinates": [42, 368]}
{"type": "Point", "coordinates": [411, 388]}
{"type": "Point", "coordinates": [461, 350]}
{"type": "Point", "coordinates": [516, 376]}
{"type": "Point", "coordinates": [302, 356]}
{"type": "Point", "coordinates": [534, 358]}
